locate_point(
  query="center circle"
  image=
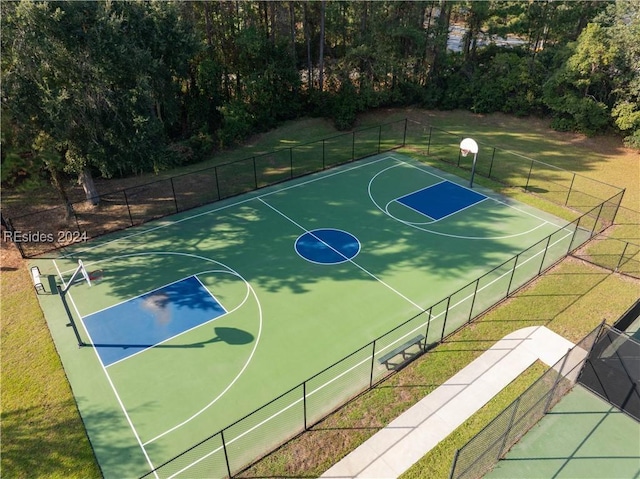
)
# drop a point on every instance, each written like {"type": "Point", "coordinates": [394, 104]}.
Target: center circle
{"type": "Point", "coordinates": [327, 246]}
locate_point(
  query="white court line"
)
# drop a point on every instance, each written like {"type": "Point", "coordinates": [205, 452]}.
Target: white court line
{"type": "Point", "coordinates": [139, 295]}
{"type": "Point", "coordinates": [421, 189]}
{"type": "Point", "coordinates": [212, 295]}
{"type": "Point", "coordinates": [357, 365]}
{"type": "Point", "coordinates": [368, 359]}
{"type": "Point", "coordinates": [113, 388]}
{"type": "Point", "coordinates": [418, 225]}
{"type": "Point", "coordinates": [230, 205]}
{"type": "Point", "coordinates": [253, 351]}
{"type": "Point", "coordinates": [244, 201]}
{"type": "Point", "coordinates": [226, 313]}
{"type": "Point", "coordinates": [422, 168]}
{"type": "Point", "coordinates": [60, 274]}
{"type": "Point", "coordinates": [350, 260]}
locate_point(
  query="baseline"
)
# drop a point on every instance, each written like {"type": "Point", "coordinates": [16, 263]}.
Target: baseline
{"type": "Point", "coordinates": [251, 292]}
{"type": "Point", "coordinates": [421, 225]}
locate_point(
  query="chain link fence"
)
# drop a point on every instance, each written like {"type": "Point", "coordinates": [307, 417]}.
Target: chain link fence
{"type": "Point", "coordinates": [483, 451]}
{"type": "Point", "coordinates": [552, 183]}
{"type": "Point", "coordinates": [229, 451]}
{"type": "Point", "coordinates": [55, 228]}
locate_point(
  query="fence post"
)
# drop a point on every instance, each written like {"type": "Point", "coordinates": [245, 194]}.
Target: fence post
{"type": "Point", "coordinates": [175, 199]}
{"type": "Point", "coordinates": [379, 138]}
{"type": "Point", "coordinates": [323, 161]}
{"type": "Point", "coordinates": [426, 335]}
{"type": "Point", "coordinates": [453, 464]}
{"type": "Point", "coordinates": [373, 355]}
{"type": "Point", "coordinates": [473, 300]}
{"type": "Point", "coordinates": [226, 454]}
{"type": "Point", "coordinates": [255, 173]}
{"type": "Point", "coordinates": [446, 314]}
{"type": "Point", "coordinates": [304, 404]}
{"type": "Point", "coordinates": [353, 145]}
{"type": "Point", "coordinates": [555, 383]}
{"type": "Point", "coordinates": [544, 255]}
{"type": "Point", "coordinates": [493, 155]}
{"type": "Point", "coordinates": [624, 250]}
{"type": "Point", "coordinates": [595, 222]}
{"type": "Point", "coordinates": [573, 237]}
{"type": "Point", "coordinates": [615, 213]}
{"type": "Point", "coordinates": [506, 434]}
{"type": "Point", "coordinates": [573, 178]}
{"type": "Point", "coordinates": [290, 162]}
{"type": "Point", "coordinates": [215, 170]}
{"type": "Point", "coordinates": [513, 273]}
{"type": "Point", "coordinates": [526, 186]}
{"type": "Point", "coordinates": [126, 202]}
{"type": "Point", "coordinates": [404, 136]}
{"type": "Point", "coordinates": [10, 228]}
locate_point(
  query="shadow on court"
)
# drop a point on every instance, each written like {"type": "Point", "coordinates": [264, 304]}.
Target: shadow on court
{"type": "Point", "coordinates": [232, 336]}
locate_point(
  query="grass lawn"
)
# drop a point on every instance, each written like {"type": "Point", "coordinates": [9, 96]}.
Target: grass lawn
{"type": "Point", "coordinates": [42, 433]}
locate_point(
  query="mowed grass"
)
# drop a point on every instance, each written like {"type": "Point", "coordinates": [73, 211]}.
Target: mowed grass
{"type": "Point", "coordinates": [42, 433]}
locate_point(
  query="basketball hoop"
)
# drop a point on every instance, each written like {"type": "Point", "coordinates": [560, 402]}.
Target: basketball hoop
{"type": "Point", "coordinates": [464, 152]}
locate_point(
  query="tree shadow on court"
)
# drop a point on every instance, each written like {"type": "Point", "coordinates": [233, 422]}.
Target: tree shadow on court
{"type": "Point", "coordinates": [259, 243]}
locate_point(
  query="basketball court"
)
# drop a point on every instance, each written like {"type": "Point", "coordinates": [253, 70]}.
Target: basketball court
{"type": "Point", "coordinates": [195, 321]}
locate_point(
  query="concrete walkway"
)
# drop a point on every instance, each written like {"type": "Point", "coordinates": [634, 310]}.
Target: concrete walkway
{"type": "Point", "coordinates": [405, 440]}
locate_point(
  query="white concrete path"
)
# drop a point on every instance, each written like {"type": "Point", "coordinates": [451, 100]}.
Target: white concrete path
{"type": "Point", "coordinates": [398, 446]}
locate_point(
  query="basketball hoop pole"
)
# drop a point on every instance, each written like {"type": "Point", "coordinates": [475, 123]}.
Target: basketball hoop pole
{"type": "Point", "coordinates": [469, 144]}
{"type": "Point", "coordinates": [473, 169]}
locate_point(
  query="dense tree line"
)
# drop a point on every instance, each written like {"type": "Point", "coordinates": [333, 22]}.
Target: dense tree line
{"type": "Point", "coordinates": [121, 87]}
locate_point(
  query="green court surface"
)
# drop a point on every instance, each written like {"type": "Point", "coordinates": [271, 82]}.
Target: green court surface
{"type": "Point", "coordinates": [294, 294]}
{"type": "Point", "coordinates": [582, 437]}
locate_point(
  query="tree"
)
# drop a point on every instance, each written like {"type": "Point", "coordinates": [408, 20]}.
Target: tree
{"type": "Point", "coordinates": [98, 80]}
{"type": "Point", "coordinates": [598, 84]}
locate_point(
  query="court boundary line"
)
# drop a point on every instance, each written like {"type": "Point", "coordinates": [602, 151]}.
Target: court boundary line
{"type": "Point", "coordinates": [319, 175]}
{"type": "Point", "coordinates": [423, 168]}
{"type": "Point", "coordinates": [259, 197]}
{"type": "Point", "coordinates": [113, 388]}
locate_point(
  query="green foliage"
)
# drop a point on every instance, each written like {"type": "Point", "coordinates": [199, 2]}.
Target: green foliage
{"type": "Point", "coordinates": [125, 87]}
{"type": "Point", "coordinates": [345, 106]}
{"type": "Point", "coordinates": [237, 124]}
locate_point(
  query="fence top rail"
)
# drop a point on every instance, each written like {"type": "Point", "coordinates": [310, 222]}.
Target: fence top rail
{"type": "Point", "coordinates": [552, 370]}
{"type": "Point", "coordinates": [518, 154]}
{"type": "Point", "coordinates": [227, 163]}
